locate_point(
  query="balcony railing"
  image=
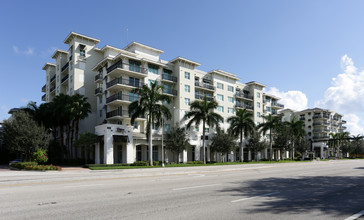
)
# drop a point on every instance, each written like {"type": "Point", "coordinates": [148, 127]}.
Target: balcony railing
{"type": "Point", "coordinates": [205, 85]}
{"type": "Point", "coordinates": [201, 97]}
{"type": "Point", "coordinates": [64, 78]}
{"type": "Point", "coordinates": [242, 105]}
{"type": "Point", "coordinates": [98, 91]}
{"type": "Point", "coordinates": [243, 95]}
{"type": "Point", "coordinates": [43, 97]}
{"type": "Point", "coordinates": [277, 105]}
{"type": "Point", "coordinates": [302, 118]}
{"type": "Point", "coordinates": [65, 66]}
{"type": "Point", "coordinates": [343, 127]}
{"type": "Point", "coordinates": [53, 88]}
{"type": "Point", "coordinates": [321, 116]}
{"type": "Point", "coordinates": [169, 77]}
{"type": "Point", "coordinates": [119, 112]}
{"type": "Point", "coordinates": [170, 91]}
{"type": "Point", "coordinates": [133, 83]}
{"type": "Point", "coordinates": [122, 97]}
{"type": "Point", "coordinates": [127, 66]}
{"type": "Point", "coordinates": [44, 88]}
{"type": "Point", "coordinates": [53, 78]}
{"type": "Point", "coordinates": [343, 121]}
{"type": "Point", "coordinates": [98, 76]}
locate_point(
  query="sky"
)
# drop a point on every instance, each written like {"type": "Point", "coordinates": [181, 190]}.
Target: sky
{"type": "Point", "coordinates": [308, 52]}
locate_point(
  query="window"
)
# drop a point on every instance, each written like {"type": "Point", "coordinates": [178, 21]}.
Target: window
{"type": "Point", "coordinates": [220, 97]}
{"type": "Point", "coordinates": [71, 65]}
{"type": "Point", "coordinates": [167, 127]}
{"type": "Point", "coordinates": [57, 67]}
{"type": "Point", "coordinates": [220, 108]}
{"type": "Point", "coordinates": [58, 78]}
{"type": "Point", "coordinates": [231, 110]}
{"type": "Point", "coordinates": [187, 88]}
{"type": "Point", "coordinates": [220, 86]}
{"type": "Point", "coordinates": [207, 129]}
{"type": "Point", "coordinates": [268, 109]}
{"type": "Point", "coordinates": [82, 50]}
{"type": "Point", "coordinates": [150, 82]}
{"type": "Point", "coordinates": [187, 101]}
{"type": "Point", "coordinates": [71, 78]}
{"type": "Point", "coordinates": [258, 104]}
{"type": "Point", "coordinates": [100, 113]}
{"type": "Point", "coordinates": [135, 125]}
{"type": "Point", "coordinates": [152, 68]}
{"type": "Point", "coordinates": [71, 91]}
{"type": "Point", "coordinates": [231, 99]}
{"type": "Point", "coordinates": [187, 75]}
{"type": "Point", "coordinates": [258, 114]}
{"type": "Point", "coordinates": [197, 129]}
{"type": "Point", "coordinates": [135, 82]}
{"type": "Point", "coordinates": [258, 94]}
{"type": "Point", "coordinates": [230, 89]}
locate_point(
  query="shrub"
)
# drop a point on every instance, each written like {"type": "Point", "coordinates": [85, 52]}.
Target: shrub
{"type": "Point", "coordinates": [40, 156]}
{"type": "Point", "coordinates": [34, 166]}
{"type": "Point", "coordinates": [22, 165]}
{"type": "Point", "coordinates": [195, 162]}
{"type": "Point", "coordinates": [140, 163]}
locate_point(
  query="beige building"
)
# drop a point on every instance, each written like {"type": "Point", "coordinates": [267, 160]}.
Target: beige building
{"type": "Point", "coordinates": [107, 76]}
{"type": "Point", "coordinates": [319, 123]}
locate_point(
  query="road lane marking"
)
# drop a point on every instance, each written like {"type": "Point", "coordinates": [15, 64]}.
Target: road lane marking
{"type": "Point", "coordinates": [355, 216]}
{"type": "Point", "coordinates": [84, 185]}
{"type": "Point", "coordinates": [194, 187]}
{"type": "Point", "coordinates": [268, 194]}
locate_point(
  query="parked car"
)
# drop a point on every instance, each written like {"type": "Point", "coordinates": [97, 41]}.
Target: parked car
{"type": "Point", "coordinates": [15, 161]}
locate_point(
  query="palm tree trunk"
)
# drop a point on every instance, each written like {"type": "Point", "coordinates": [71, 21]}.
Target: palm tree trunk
{"type": "Point", "coordinates": [62, 145]}
{"type": "Point", "coordinates": [203, 142]}
{"type": "Point", "coordinates": [72, 132]}
{"type": "Point", "coordinates": [241, 146]}
{"type": "Point", "coordinates": [270, 144]}
{"type": "Point", "coordinates": [76, 135]}
{"type": "Point", "coordinates": [293, 151]}
{"type": "Point", "coordinates": [150, 146]}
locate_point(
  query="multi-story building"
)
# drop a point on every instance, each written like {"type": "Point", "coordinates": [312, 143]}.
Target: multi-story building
{"type": "Point", "coordinates": [319, 123]}
{"type": "Point", "coordinates": [107, 77]}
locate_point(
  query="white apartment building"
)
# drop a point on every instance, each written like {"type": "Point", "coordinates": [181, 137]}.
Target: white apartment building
{"type": "Point", "coordinates": [107, 75]}
{"type": "Point", "coordinates": [319, 123]}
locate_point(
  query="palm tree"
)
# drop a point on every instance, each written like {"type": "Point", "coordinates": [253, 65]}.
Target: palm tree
{"type": "Point", "coordinates": [203, 111]}
{"type": "Point", "coordinates": [242, 124]}
{"type": "Point", "coordinates": [270, 124]}
{"type": "Point", "coordinates": [80, 108]}
{"type": "Point", "coordinates": [150, 103]}
{"type": "Point", "coordinates": [296, 132]}
{"type": "Point", "coordinates": [337, 139]}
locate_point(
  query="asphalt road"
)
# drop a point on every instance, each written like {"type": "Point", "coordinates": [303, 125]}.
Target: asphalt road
{"type": "Point", "coordinates": [310, 190]}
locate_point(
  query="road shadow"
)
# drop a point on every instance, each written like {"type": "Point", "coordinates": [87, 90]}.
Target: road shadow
{"type": "Point", "coordinates": [340, 195]}
{"type": "Point", "coordinates": [359, 168]}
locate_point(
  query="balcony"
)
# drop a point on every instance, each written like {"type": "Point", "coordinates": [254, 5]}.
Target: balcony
{"type": "Point", "coordinates": [321, 130]}
{"type": "Point", "coordinates": [119, 98]}
{"type": "Point", "coordinates": [98, 78]}
{"type": "Point", "coordinates": [168, 77]}
{"type": "Point", "coordinates": [120, 83]}
{"type": "Point", "coordinates": [64, 78]}
{"type": "Point", "coordinates": [98, 91]}
{"type": "Point", "coordinates": [321, 123]}
{"type": "Point", "coordinates": [244, 96]}
{"type": "Point", "coordinates": [170, 91]}
{"type": "Point", "coordinates": [118, 68]}
{"type": "Point", "coordinates": [343, 121]}
{"type": "Point", "coordinates": [321, 117]}
{"type": "Point", "coordinates": [303, 119]}
{"type": "Point", "coordinates": [44, 88]}
{"type": "Point", "coordinates": [118, 113]}
{"type": "Point", "coordinates": [53, 88]}
{"type": "Point", "coordinates": [65, 66]}
{"type": "Point", "coordinates": [343, 127]}
{"type": "Point", "coordinates": [43, 97]}
{"type": "Point", "coordinates": [205, 86]}
{"type": "Point", "coordinates": [53, 78]}
{"type": "Point", "coordinates": [320, 137]}
{"type": "Point", "coordinates": [201, 97]}
{"type": "Point", "coordinates": [277, 105]}
{"type": "Point", "coordinates": [242, 105]}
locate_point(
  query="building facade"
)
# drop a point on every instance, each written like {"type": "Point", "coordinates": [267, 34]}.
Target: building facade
{"type": "Point", "coordinates": [319, 123]}
{"type": "Point", "coordinates": [107, 76]}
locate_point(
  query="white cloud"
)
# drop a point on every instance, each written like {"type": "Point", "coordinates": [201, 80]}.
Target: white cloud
{"type": "Point", "coordinates": [295, 100]}
{"type": "Point", "coordinates": [28, 51]}
{"type": "Point", "coordinates": [346, 95]}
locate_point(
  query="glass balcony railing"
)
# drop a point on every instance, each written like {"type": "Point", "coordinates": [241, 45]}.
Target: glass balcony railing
{"type": "Point", "coordinates": [130, 98]}
{"type": "Point", "coordinates": [133, 83]}
{"type": "Point", "coordinates": [169, 77]}
{"type": "Point", "coordinates": [65, 66]}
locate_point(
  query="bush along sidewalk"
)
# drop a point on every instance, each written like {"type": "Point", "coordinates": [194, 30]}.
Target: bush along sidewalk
{"type": "Point", "coordinates": [35, 166]}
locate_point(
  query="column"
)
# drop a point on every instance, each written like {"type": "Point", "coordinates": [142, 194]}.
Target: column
{"type": "Point", "coordinates": [184, 156]}
{"type": "Point", "coordinates": [97, 153]}
{"type": "Point", "coordinates": [108, 148]}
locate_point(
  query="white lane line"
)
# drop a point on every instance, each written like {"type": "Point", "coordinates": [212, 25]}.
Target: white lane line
{"type": "Point", "coordinates": [355, 216]}
{"type": "Point", "coordinates": [197, 175]}
{"type": "Point", "coordinates": [268, 194]}
{"type": "Point", "coordinates": [83, 185]}
{"type": "Point", "coordinates": [194, 187]}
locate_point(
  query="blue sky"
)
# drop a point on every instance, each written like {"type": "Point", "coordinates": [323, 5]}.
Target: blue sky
{"type": "Point", "coordinates": [309, 52]}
